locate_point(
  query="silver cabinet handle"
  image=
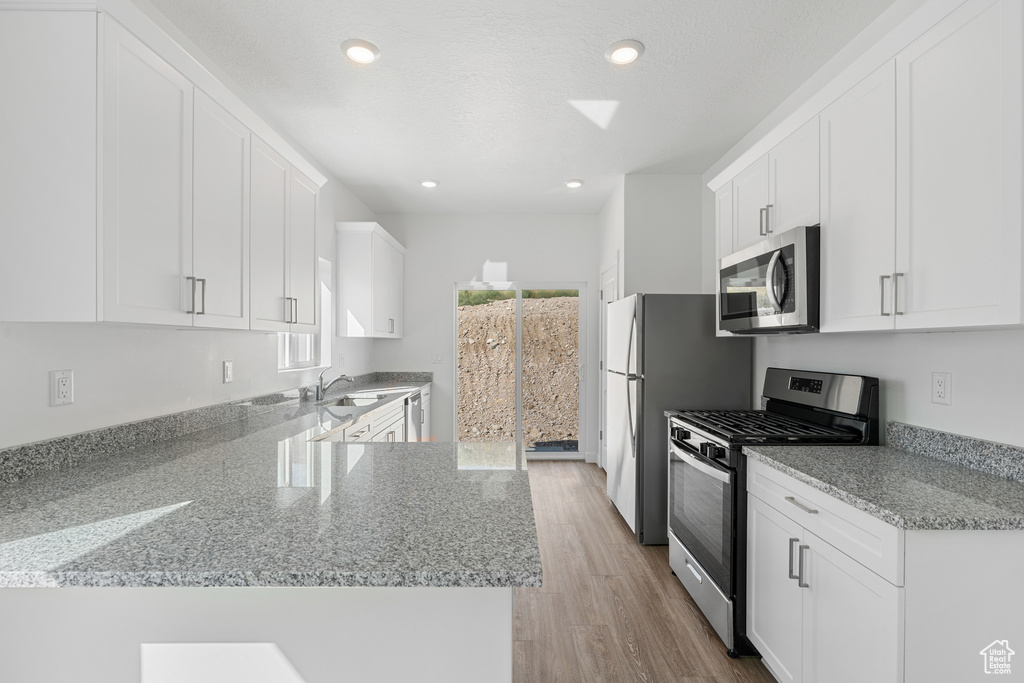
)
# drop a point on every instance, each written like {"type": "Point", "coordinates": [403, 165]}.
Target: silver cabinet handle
{"type": "Point", "coordinates": [761, 222]}
{"type": "Point", "coordinates": [391, 325]}
{"type": "Point", "coordinates": [423, 419]}
{"type": "Point", "coordinates": [794, 501]}
{"type": "Point", "coordinates": [203, 280]}
{"type": "Point", "coordinates": [896, 293]}
{"type": "Point", "coordinates": [768, 219]}
{"type": "Point", "coordinates": [800, 574]}
{"type": "Point", "coordinates": [792, 542]}
{"type": "Point", "coordinates": [192, 309]}
{"type": "Point", "coordinates": [700, 579]}
{"type": "Point", "coordinates": [295, 310]}
{"type": "Point", "coordinates": [287, 309]}
{"type": "Point", "coordinates": [358, 434]}
{"type": "Point", "coordinates": [881, 294]}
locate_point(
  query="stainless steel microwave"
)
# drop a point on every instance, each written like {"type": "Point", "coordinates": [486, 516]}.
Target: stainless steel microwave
{"type": "Point", "coordinates": [772, 287]}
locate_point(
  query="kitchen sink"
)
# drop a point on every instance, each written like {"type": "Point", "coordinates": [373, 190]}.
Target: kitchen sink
{"type": "Point", "coordinates": [358, 401]}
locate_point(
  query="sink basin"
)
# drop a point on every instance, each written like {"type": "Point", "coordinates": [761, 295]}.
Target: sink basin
{"type": "Point", "coordinates": [359, 400]}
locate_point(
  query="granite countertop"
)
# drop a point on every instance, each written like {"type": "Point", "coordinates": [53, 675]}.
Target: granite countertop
{"type": "Point", "coordinates": [905, 489]}
{"type": "Point", "coordinates": [254, 503]}
{"type": "Point", "coordinates": [334, 418]}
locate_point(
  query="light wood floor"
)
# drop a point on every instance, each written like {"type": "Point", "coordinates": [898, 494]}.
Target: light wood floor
{"type": "Point", "coordinates": [609, 609]}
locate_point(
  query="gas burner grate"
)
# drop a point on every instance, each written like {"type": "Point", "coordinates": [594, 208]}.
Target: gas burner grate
{"type": "Point", "coordinates": [757, 426]}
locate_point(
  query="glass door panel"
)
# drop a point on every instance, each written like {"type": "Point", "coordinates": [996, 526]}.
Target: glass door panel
{"type": "Point", "coordinates": [486, 329]}
{"type": "Point", "coordinates": [550, 374]}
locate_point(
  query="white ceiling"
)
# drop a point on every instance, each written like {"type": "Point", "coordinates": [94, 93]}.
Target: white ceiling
{"type": "Point", "coordinates": [479, 95]}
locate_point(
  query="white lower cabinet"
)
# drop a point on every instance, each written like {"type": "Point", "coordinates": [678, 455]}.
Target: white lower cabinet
{"type": "Point", "coordinates": [425, 413]}
{"type": "Point", "coordinates": [814, 612]}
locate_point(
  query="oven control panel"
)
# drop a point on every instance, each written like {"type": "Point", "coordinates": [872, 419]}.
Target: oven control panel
{"type": "Point", "coordinates": [805, 384]}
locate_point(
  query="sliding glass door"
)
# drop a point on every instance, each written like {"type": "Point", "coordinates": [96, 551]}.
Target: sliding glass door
{"type": "Point", "coordinates": [518, 367]}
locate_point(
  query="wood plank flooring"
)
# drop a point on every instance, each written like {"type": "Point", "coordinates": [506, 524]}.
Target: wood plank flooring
{"type": "Point", "coordinates": [610, 609]}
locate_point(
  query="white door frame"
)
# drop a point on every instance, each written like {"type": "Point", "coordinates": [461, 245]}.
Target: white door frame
{"type": "Point", "coordinates": [518, 287]}
{"type": "Point", "coordinates": [609, 292]}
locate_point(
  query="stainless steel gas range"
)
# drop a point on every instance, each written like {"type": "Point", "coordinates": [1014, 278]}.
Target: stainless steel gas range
{"type": "Point", "coordinates": [707, 479]}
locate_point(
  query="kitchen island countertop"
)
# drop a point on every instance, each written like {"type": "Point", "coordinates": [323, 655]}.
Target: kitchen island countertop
{"type": "Point", "coordinates": [255, 503]}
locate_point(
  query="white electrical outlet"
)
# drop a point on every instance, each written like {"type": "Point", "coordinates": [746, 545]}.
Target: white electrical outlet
{"type": "Point", "coordinates": [341, 360]}
{"type": "Point", "coordinates": [62, 387]}
{"type": "Point", "coordinates": [942, 388]}
{"type": "Point", "coordinates": [229, 371]}
{"type": "Point", "coordinates": [436, 358]}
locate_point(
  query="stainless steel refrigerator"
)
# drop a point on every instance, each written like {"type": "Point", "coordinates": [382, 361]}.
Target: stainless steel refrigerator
{"type": "Point", "coordinates": [662, 354]}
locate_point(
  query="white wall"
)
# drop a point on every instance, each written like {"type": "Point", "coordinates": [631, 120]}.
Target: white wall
{"type": "Point", "coordinates": [612, 227]}
{"type": "Point", "coordinates": [987, 367]}
{"type": "Point", "coordinates": [663, 226]}
{"type": "Point", "coordinates": [445, 249]}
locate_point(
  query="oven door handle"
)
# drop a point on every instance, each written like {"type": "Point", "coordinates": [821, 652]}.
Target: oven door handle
{"type": "Point", "coordinates": [723, 476]}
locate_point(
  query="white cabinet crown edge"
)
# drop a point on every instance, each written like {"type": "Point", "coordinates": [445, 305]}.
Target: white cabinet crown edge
{"type": "Point", "coordinates": [157, 32]}
{"type": "Point", "coordinates": [372, 227]}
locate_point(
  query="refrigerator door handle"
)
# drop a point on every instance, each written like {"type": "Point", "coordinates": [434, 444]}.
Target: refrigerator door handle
{"type": "Point", "coordinates": [629, 408]}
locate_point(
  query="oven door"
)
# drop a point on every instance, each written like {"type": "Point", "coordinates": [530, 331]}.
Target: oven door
{"type": "Point", "coordinates": [771, 286]}
{"type": "Point", "coordinates": [702, 512]}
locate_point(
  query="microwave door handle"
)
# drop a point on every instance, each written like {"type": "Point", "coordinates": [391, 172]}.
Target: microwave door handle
{"type": "Point", "coordinates": [769, 276]}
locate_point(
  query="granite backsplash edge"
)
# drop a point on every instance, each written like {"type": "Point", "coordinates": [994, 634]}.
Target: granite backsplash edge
{"type": "Point", "coordinates": [995, 458]}
{"type": "Point", "coordinates": [25, 460]}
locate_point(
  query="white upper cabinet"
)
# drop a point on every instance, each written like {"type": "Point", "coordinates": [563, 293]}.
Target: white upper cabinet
{"type": "Point", "coordinates": [220, 216]}
{"type": "Point", "coordinates": [793, 180]}
{"type": "Point", "coordinates": [371, 281]}
{"type": "Point", "coordinates": [858, 205]}
{"type": "Point", "coordinates": [48, 245]}
{"type": "Point", "coordinates": [959, 170]}
{"type": "Point", "coordinates": [284, 259]}
{"type": "Point", "coordinates": [153, 224]}
{"type": "Point", "coordinates": [270, 306]}
{"type": "Point", "coordinates": [777, 192]}
{"type": "Point", "coordinates": [302, 257]}
{"type": "Point", "coordinates": [147, 184]}
{"type": "Point", "coordinates": [750, 205]}
{"type": "Point", "coordinates": [920, 177]}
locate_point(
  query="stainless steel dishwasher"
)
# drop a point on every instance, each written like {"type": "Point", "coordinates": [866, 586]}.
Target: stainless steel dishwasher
{"type": "Point", "coordinates": [413, 417]}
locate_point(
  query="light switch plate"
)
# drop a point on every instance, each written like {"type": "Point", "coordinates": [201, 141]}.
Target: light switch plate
{"type": "Point", "coordinates": [229, 372]}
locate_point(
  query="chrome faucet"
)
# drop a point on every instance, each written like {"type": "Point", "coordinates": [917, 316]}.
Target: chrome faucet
{"type": "Point", "coordinates": [321, 389]}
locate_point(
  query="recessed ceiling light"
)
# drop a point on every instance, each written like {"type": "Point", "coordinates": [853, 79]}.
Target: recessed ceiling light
{"type": "Point", "coordinates": [624, 52]}
{"type": "Point", "coordinates": [360, 51]}
{"type": "Point", "coordinates": [430, 183]}
{"type": "Point", "coordinates": [574, 184]}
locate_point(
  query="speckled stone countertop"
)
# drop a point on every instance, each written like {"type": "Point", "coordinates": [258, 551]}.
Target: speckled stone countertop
{"type": "Point", "coordinates": [907, 490]}
{"type": "Point", "coordinates": [255, 503]}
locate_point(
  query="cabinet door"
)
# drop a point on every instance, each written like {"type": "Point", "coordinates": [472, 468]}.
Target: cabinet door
{"type": "Point", "coordinates": [793, 180]}
{"type": "Point", "coordinates": [774, 599]}
{"type": "Point", "coordinates": [749, 199]}
{"type": "Point", "coordinates": [220, 216]}
{"type": "Point", "coordinates": [425, 418]}
{"type": "Point", "coordinates": [147, 184]}
{"type": "Point", "coordinates": [852, 619]}
{"type": "Point", "coordinates": [302, 257]}
{"type": "Point", "coordinates": [959, 174]}
{"type": "Point", "coordinates": [269, 239]}
{"type": "Point", "coordinates": [858, 205]}
{"type": "Point", "coordinates": [396, 291]}
{"type": "Point", "coordinates": [380, 267]}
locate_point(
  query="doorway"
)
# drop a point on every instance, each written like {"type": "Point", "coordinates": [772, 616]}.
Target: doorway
{"type": "Point", "coordinates": [518, 365]}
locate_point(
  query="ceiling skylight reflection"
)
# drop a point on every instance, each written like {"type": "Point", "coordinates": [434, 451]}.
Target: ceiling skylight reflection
{"type": "Point", "coordinates": [600, 112]}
